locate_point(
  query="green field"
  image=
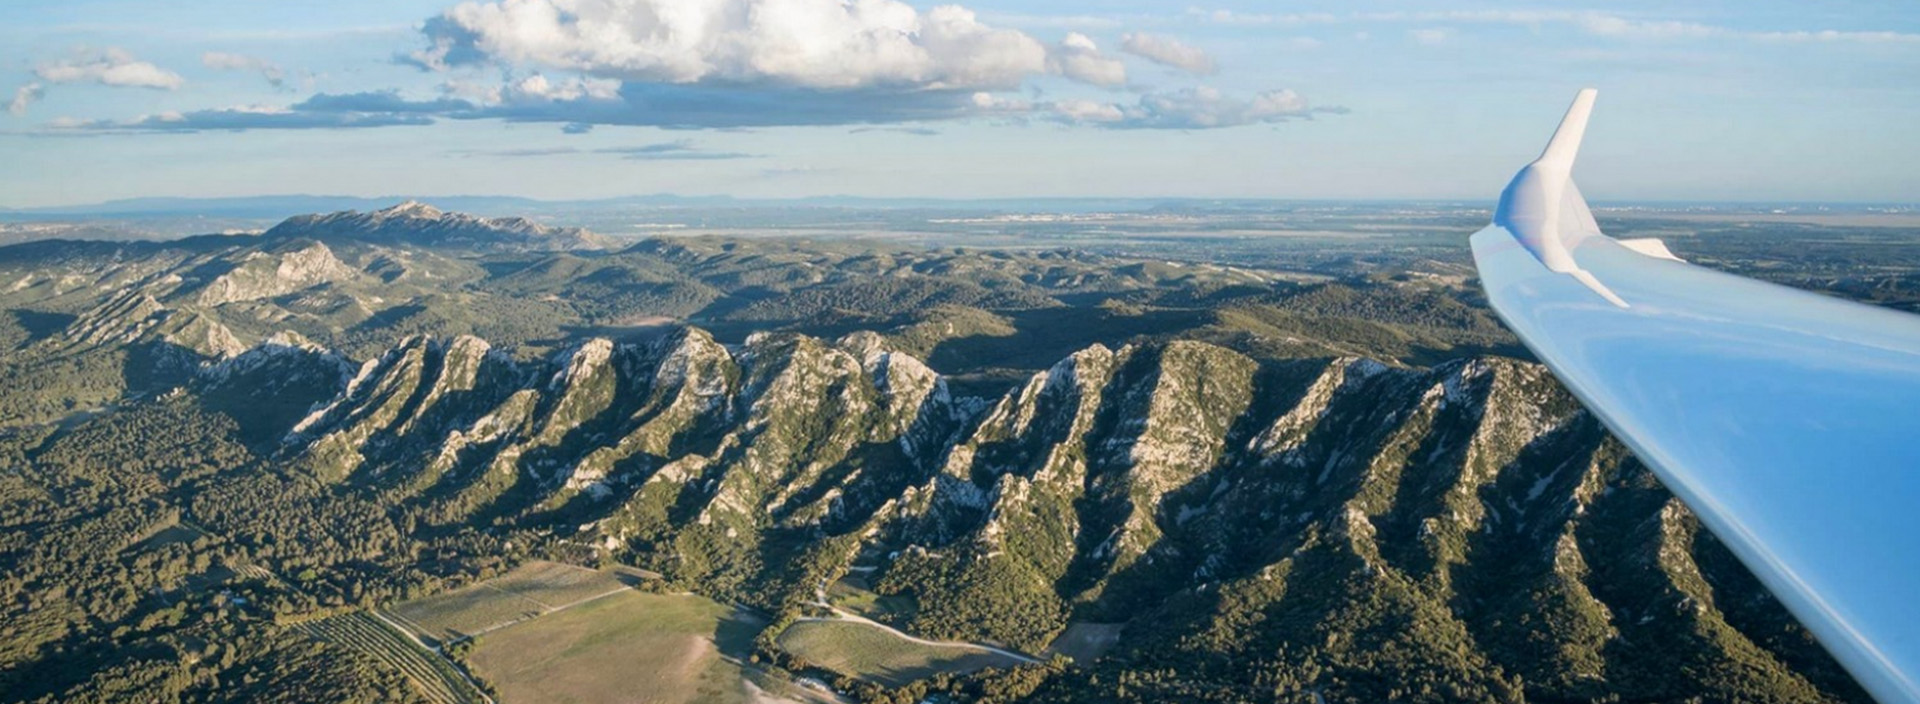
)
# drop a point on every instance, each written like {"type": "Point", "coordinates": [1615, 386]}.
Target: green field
{"type": "Point", "coordinates": [631, 647]}
{"type": "Point", "coordinates": [524, 593]}
{"type": "Point", "coordinates": [877, 655]}
{"type": "Point", "coordinates": [853, 594]}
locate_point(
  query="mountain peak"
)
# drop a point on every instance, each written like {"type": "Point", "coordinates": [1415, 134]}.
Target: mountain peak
{"type": "Point", "coordinates": [415, 223]}
{"type": "Point", "coordinates": [409, 209]}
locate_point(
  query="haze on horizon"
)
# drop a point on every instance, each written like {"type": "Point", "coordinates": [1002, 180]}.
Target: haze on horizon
{"type": "Point", "coordinates": [573, 99]}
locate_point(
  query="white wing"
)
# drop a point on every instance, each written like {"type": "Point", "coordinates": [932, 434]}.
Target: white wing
{"type": "Point", "coordinates": [1788, 421]}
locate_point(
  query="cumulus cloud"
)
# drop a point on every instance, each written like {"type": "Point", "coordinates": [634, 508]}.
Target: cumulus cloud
{"type": "Point", "coordinates": [820, 44]}
{"type": "Point", "coordinates": [1206, 108]}
{"type": "Point", "coordinates": [1077, 57]}
{"type": "Point", "coordinates": [24, 96]}
{"type": "Point", "coordinates": [1432, 36]}
{"type": "Point", "coordinates": [1168, 51]}
{"type": "Point", "coordinates": [109, 67]}
{"type": "Point", "coordinates": [223, 61]}
{"type": "Point", "coordinates": [722, 64]}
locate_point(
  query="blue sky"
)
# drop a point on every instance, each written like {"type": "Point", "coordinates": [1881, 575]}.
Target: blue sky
{"type": "Point", "coordinates": [1761, 101]}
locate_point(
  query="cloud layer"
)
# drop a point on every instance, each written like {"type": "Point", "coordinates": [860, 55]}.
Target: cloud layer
{"type": "Point", "coordinates": [109, 67]}
{"type": "Point", "coordinates": [1167, 51]}
{"type": "Point", "coordinates": [727, 64]}
{"type": "Point", "coordinates": [24, 96]}
{"type": "Point", "coordinates": [819, 44]}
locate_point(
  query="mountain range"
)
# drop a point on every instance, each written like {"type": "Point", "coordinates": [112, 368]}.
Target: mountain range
{"type": "Point", "coordinates": [1276, 490]}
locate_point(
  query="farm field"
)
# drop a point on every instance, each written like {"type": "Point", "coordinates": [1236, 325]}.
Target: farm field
{"type": "Point", "coordinates": [436, 679]}
{"type": "Point", "coordinates": [524, 593]}
{"type": "Point", "coordinates": [630, 647]}
{"type": "Point", "coordinates": [875, 654]}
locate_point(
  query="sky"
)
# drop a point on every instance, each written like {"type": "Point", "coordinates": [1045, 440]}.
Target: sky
{"type": "Point", "coordinates": [1759, 100]}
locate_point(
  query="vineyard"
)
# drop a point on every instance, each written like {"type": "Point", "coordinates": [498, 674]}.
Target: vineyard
{"type": "Point", "coordinates": [434, 677]}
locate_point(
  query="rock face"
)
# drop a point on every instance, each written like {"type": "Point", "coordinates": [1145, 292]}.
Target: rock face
{"type": "Point", "coordinates": [284, 268]}
{"type": "Point", "coordinates": [1341, 524]}
{"type": "Point", "coordinates": [422, 225]}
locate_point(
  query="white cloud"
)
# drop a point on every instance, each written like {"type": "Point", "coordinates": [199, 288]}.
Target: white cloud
{"type": "Point", "coordinates": [537, 88]}
{"type": "Point", "coordinates": [24, 96]}
{"type": "Point", "coordinates": [1837, 36]}
{"type": "Point", "coordinates": [1260, 19]}
{"type": "Point", "coordinates": [1205, 107]}
{"type": "Point", "coordinates": [1434, 36]}
{"type": "Point", "coordinates": [1078, 58]}
{"type": "Point", "coordinates": [816, 44]}
{"type": "Point", "coordinates": [110, 67]}
{"type": "Point", "coordinates": [223, 61]}
{"type": "Point", "coordinates": [1089, 111]}
{"type": "Point", "coordinates": [1190, 109]}
{"type": "Point", "coordinates": [1168, 51]}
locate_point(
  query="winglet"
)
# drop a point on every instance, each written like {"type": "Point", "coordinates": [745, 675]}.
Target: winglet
{"type": "Point", "coordinates": [1565, 145]}
{"type": "Point", "coordinates": [1542, 208]}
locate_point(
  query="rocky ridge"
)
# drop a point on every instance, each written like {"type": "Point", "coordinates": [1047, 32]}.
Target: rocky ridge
{"type": "Point", "coordinates": [1335, 521]}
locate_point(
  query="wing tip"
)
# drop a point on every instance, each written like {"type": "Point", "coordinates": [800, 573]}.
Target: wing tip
{"type": "Point", "coordinates": [1565, 145]}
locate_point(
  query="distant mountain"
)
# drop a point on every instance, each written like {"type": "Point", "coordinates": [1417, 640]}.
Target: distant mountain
{"type": "Point", "coordinates": [274, 206]}
{"type": "Point", "coordinates": [421, 225]}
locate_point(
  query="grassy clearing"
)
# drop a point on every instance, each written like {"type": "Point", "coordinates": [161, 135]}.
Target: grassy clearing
{"type": "Point", "coordinates": [630, 647]}
{"type": "Point", "coordinates": [170, 534]}
{"type": "Point", "coordinates": [524, 593]}
{"type": "Point", "coordinates": [435, 678]}
{"type": "Point", "coordinates": [853, 594]}
{"type": "Point", "coordinates": [877, 655]}
{"type": "Point", "coordinates": [1086, 642]}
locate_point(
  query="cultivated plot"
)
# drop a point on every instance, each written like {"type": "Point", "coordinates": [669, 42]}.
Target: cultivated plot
{"type": "Point", "coordinates": [524, 593]}
{"type": "Point", "coordinates": [630, 647]}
